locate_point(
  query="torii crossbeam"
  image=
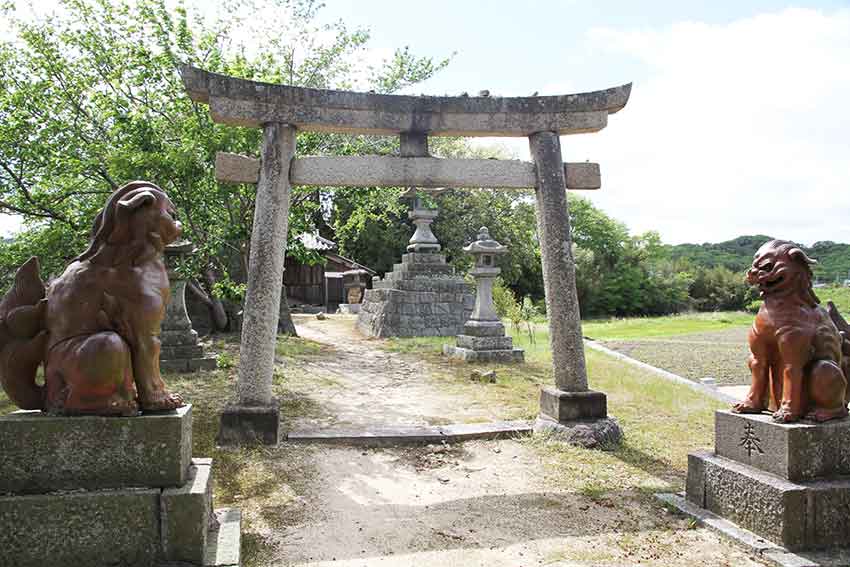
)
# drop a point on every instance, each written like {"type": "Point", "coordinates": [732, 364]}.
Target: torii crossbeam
{"type": "Point", "coordinates": [283, 110]}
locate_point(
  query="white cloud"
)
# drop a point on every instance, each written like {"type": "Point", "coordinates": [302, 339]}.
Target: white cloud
{"type": "Point", "coordinates": [734, 129]}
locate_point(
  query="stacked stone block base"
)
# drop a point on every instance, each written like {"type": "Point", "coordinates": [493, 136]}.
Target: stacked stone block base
{"type": "Point", "coordinates": [181, 352]}
{"type": "Point", "coordinates": [787, 483]}
{"type": "Point", "coordinates": [100, 491]}
{"type": "Point", "coordinates": [484, 343]}
{"type": "Point", "coordinates": [421, 297]}
{"type": "Point", "coordinates": [578, 418]}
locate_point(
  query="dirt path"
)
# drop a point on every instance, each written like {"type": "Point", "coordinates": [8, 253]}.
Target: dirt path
{"type": "Point", "coordinates": [482, 503]}
{"type": "Point", "coordinates": [358, 384]}
{"type": "Point", "coordinates": [495, 503]}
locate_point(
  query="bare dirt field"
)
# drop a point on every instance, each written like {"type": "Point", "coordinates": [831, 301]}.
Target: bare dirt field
{"type": "Point", "coordinates": [721, 355]}
{"type": "Point", "coordinates": [480, 503]}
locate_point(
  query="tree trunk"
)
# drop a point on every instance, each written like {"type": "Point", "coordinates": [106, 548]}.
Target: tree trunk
{"type": "Point", "coordinates": [285, 326]}
{"type": "Point", "coordinates": [218, 316]}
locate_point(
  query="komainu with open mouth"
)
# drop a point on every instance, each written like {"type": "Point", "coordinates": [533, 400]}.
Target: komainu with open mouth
{"type": "Point", "coordinates": [95, 329]}
{"type": "Point", "coordinates": [799, 358]}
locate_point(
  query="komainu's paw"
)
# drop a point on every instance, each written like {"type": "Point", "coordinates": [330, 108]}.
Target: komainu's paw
{"type": "Point", "coordinates": [162, 401]}
{"type": "Point", "coordinates": [784, 415]}
{"type": "Point", "coordinates": [127, 408]}
{"type": "Point", "coordinates": [820, 415]}
{"type": "Point", "coordinates": [748, 407]}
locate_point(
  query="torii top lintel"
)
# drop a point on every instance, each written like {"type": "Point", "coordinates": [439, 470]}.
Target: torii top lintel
{"type": "Point", "coordinates": [240, 102]}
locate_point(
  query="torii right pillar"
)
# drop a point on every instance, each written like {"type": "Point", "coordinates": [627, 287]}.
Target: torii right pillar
{"type": "Point", "coordinates": [569, 410]}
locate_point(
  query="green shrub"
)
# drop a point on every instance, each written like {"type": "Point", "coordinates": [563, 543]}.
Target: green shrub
{"type": "Point", "coordinates": [503, 299]}
{"type": "Point", "coordinates": [228, 290]}
{"type": "Point", "coordinates": [225, 360]}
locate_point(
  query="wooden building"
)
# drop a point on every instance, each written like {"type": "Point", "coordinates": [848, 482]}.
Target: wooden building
{"type": "Point", "coordinates": [320, 284]}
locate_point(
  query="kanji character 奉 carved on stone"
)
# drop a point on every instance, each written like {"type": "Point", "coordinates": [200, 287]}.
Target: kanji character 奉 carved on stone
{"type": "Point", "coordinates": [95, 329]}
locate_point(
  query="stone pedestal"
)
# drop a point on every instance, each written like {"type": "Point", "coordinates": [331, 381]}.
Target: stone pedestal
{"type": "Point", "coordinates": [180, 350]}
{"type": "Point", "coordinates": [579, 418]}
{"type": "Point", "coordinates": [788, 483]}
{"type": "Point", "coordinates": [41, 452]}
{"type": "Point", "coordinates": [100, 491]}
{"type": "Point", "coordinates": [484, 343]}
{"type": "Point", "coordinates": [250, 424]}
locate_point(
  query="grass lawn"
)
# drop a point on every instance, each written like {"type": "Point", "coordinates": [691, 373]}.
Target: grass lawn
{"type": "Point", "coordinates": [671, 325]}
{"type": "Point", "coordinates": [662, 421]}
{"type": "Point", "coordinates": [838, 295]}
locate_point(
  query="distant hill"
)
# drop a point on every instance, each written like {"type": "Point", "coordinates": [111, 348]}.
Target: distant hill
{"type": "Point", "coordinates": [737, 254]}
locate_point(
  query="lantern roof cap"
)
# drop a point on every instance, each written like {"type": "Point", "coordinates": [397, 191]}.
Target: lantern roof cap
{"type": "Point", "coordinates": [485, 244]}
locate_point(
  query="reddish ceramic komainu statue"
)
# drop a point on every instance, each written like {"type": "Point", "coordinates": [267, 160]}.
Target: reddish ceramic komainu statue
{"type": "Point", "coordinates": [95, 329]}
{"type": "Point", "coordinates": [800, 353]}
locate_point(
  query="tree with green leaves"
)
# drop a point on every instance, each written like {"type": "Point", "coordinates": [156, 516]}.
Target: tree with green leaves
{"type": "Point", "coordinates": [92, 97]}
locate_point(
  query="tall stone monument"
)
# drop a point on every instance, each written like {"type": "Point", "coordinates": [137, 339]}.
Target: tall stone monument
{"type": "Point", "coordinates": [180, 350]}
{"type": "Point", "coordinates": [422, 296]}
{"type": "Point", "coordinates": [483, 338]}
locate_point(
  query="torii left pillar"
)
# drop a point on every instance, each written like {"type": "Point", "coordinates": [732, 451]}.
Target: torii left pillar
{"type": "Point", "coordinates": [254, 417]}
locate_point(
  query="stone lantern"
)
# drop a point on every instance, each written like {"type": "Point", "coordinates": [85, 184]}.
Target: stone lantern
{"type": "Point", "coordinates": [483, 338]}
{"type": "Point", "coordinates": [180, 350]}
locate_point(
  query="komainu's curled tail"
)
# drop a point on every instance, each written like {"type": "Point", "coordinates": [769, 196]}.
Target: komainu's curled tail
{"type": "Point", "coordinates": [23, 337]}
{"type": "Point", "coordinates": [844, 330]}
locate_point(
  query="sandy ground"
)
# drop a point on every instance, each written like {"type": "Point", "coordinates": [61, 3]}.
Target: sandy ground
{"type": "Point", "coordinates": [483, 503]}
{"type": "Point", "coordinates": [492, 503]}
{"type": "Point", "coordinates": [363, 385]}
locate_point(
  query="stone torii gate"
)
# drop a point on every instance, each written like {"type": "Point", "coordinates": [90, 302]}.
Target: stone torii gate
{"type": "Point", "coordinates": [569, 407]}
